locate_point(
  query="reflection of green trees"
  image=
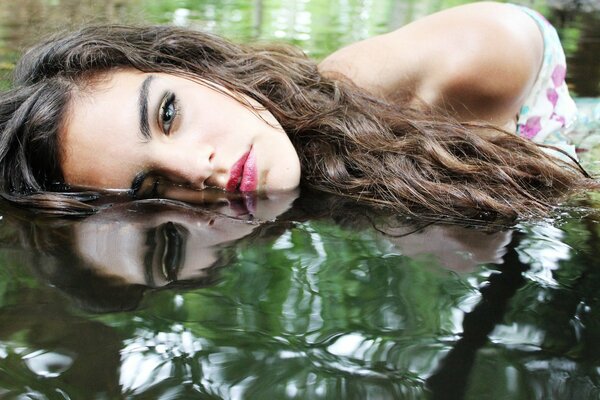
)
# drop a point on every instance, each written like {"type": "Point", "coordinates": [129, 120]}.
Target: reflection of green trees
{"type": "Point", "coordinates": [37, 326]}
{"type": "Point", "coordinates": [316, 308]}
{"type": "Point", "coordinates": [548, 346]}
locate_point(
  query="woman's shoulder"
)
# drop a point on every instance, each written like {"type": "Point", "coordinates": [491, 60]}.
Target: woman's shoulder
{"type": "Point", "coordinates": [478, 61]}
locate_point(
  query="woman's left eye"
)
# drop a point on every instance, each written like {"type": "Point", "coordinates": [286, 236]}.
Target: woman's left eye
{"type": "Point", "coordinates": [167, 113]}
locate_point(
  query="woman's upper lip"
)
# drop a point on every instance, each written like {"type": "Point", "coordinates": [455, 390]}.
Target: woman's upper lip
{"type": "Point", "coordinates": [236, 173]}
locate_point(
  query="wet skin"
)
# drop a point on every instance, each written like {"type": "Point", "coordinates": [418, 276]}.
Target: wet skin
{"type": "Point", "coordinates": [156, 133]}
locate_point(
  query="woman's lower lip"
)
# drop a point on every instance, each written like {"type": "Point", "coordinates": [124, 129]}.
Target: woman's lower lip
{"type": "Point", "coordinates": [243, 175]}
{"type": "Point", "coordinates": [236, 173]}
{"type": "Point", "coordinates": [250, 173]}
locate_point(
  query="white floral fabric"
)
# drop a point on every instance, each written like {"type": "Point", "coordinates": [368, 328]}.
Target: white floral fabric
{"type": "Point", "coordinates": [549, 112]}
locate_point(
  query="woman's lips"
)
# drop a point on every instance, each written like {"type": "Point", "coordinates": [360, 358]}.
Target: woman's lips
{"type": "Point", "coordinates": [249, 177]}
{"type": "Point", "coordinates": [243, 175]}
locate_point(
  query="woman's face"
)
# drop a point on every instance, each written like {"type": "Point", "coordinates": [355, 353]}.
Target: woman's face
{"type": "Point", "coordinates": [156, 133]}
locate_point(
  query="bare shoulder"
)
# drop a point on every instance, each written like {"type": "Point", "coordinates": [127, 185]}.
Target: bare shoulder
{"type": "Point", "coordinates": [478, 60]}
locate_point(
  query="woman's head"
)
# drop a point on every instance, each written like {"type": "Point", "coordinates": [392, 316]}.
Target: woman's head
{"type": "Point", "coordinates": [140, 106]}
{"type": "Point", "coordinates": [63, 123]}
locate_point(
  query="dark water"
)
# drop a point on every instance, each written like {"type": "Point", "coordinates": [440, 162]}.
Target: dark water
{"type": "Point", "coordinates": [305, 297]}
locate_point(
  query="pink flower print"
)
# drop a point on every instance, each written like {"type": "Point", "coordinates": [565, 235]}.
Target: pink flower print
{"type": "Point", "coordinates": [531, 127]}
{"type": "Point", "coordinates": [559, 118]}
{"type": "Point", "coordinates": [558, 75]}
{"type": "Point", "coordinates": [552, 96]}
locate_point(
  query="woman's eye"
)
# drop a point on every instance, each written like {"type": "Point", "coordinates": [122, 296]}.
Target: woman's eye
{"type": "Point", "coordinates": [167, 113]}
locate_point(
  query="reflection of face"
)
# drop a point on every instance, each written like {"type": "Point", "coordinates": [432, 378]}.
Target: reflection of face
{"type": "Point", "coordinates": [144, 128]}
{"type": "Point", "coordinates": [156, 248]}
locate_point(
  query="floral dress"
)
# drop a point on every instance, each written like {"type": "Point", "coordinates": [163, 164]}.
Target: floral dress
{"type": "Point", "coordinates": [549, 113]}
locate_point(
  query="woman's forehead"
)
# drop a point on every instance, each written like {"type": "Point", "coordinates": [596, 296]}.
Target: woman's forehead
{"type": "Point", "coordinates": [99, 131]}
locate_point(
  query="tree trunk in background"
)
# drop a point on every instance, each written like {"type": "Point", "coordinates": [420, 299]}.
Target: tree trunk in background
{"type": "Point", "coordinates": [585, 62]}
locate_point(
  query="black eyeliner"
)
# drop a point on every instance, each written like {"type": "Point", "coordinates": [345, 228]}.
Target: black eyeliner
{"type": "Point", "coordinates": [174, 238]}
{"type": "Point", "coordinates": [136, 184]}
{"type": "Point", "coordinates": [168, 100]}
{"type": "Point", "coordinates": [154, 192]}
{"type": "Point", "coordinates": [151, 246]}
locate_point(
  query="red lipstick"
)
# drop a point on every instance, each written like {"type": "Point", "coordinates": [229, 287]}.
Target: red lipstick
{"type": "Point", "coordinates": [249, 177]}
{"type": "Point", "coordinates": [243, 174]}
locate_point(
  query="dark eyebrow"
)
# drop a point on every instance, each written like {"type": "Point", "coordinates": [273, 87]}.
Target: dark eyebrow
{"type": "Point", "coordinates": [143, 106]}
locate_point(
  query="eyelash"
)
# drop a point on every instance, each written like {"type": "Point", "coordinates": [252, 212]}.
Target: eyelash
{"type": "Point", "coordinates": [154, 192]}
{"type": "Point", "coordinates": [168, 104]}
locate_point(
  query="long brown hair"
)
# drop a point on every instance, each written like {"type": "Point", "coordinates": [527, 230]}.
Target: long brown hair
{"type": "Point", "coordinates": [349, 142]}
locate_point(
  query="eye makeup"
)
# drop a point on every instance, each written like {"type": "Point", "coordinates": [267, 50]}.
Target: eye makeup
{"type": "Point", "coordinates": [140, 187]}
{"type": "Point", "coordinates": [165, 253]}
{"type": "Point", "coordinates": [167, 112]}
{"type": "Point", "coordinates": [136, 184]}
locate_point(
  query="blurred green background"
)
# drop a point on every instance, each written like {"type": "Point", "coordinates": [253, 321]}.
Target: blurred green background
{"type": "Point", "coordinates": [317, 26]}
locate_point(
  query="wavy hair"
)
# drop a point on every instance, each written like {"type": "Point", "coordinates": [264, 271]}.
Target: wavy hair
{"type": "Point", "coordinates": [350, 143]}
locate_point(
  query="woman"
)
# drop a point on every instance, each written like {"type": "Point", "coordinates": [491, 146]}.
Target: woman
{"type": "Point", "coordinates": [414, 119]}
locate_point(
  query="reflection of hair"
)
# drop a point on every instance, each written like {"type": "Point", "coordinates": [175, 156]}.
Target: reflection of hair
{"type": "Point", "coordinates": [51, 252]}
{"type": "Point", "coordinates": [349, 142]}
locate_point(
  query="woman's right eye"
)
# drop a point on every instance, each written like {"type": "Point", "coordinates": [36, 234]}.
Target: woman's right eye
{"type": "Point", "coordinates": [167, 113]}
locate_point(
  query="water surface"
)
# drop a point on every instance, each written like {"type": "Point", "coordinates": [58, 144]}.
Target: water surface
{"type": "Point", "coordinates": [320, 300]}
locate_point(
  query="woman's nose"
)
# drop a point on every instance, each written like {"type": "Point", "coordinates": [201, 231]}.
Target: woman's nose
{"type": "Point", "coordinates": [190, 165]}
